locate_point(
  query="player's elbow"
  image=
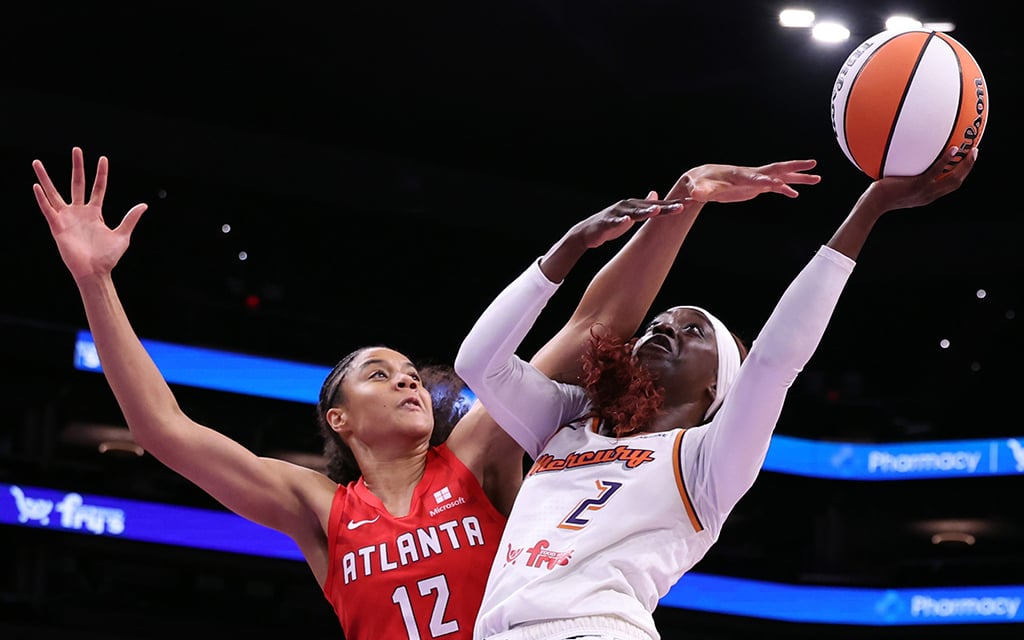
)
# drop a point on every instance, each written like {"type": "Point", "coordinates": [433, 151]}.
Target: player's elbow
{"type": "Point", "coordinates": [469, 365]}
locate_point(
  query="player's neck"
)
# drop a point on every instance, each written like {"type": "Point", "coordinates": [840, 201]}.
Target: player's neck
{"type": "Point", "coordinates": [394, 482]}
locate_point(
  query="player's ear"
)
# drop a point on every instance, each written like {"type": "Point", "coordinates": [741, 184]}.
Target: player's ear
{"type": "Point", "coordinates": [337, 419]}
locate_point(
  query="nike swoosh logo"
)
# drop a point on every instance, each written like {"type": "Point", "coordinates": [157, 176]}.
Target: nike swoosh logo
{"type": "Point", "coordinates": [355, 524]}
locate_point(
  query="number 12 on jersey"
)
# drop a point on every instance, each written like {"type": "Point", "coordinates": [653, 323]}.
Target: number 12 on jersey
{"type": "Point", "coordinates": [438, 625]}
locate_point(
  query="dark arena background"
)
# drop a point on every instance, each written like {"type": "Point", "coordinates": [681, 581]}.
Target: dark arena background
{"type": "Point", "coordinates": [324, 177]}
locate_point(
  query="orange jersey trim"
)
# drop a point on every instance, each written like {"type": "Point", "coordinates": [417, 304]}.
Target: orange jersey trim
{"type": "Point", "coordinates": [681, 484]}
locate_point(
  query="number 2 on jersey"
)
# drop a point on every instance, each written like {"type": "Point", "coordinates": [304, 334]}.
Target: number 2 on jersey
{"type": "Point", "coordinates": [575, 519]}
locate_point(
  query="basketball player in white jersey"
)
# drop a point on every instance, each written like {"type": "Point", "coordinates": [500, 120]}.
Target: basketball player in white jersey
{"type": "Point", "coordinates": [636, 469]}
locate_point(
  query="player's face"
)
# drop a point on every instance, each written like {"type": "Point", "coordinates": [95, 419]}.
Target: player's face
{"type": "Point", "coordinates": [680, 350]}
{"type": "Point", "coordinates": [384, 398]}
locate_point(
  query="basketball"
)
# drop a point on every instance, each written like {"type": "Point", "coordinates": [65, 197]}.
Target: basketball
{"type": "Point", "coordinates": [903, 98]}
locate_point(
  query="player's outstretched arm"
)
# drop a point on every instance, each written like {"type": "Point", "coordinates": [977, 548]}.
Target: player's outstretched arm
{"type": "Point", "coordinates": [260, 489]}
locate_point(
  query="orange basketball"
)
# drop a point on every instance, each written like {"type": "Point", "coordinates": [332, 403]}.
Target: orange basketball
{"type": "Point", "coordinates": [903, 98]}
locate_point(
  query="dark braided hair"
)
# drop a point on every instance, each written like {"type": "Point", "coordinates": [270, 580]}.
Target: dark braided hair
{"type": "Point", "coordinates": [341, 464]}
{"type": "Point", "coordinates": [446, 394]}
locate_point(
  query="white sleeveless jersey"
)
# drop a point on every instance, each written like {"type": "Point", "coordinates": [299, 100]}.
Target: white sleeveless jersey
{"type": "Point", "coordinates": [605, 526]}
{"type": "Point", "coordinates": [611, 527]}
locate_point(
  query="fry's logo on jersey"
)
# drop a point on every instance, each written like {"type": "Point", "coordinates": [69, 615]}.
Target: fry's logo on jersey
{"type": "Point", "coordinates": [630, 458]}
{"type": "Point", "coordinates": [539, 556]}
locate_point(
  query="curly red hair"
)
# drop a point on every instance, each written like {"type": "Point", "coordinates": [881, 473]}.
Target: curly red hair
{"type": "Point", "coordinates": [622, 391]}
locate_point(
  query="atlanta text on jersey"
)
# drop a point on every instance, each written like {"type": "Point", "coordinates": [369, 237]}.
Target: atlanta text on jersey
{"type": "Point", "coordinates": [411, 547]}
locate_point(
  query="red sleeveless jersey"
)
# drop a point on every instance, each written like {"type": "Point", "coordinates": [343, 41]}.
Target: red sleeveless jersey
{"type": "Point", "coordinates": [422, 575]}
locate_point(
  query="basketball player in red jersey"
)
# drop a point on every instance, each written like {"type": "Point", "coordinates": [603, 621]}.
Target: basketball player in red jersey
{"type": "Point", "coordinates": [400, 532]}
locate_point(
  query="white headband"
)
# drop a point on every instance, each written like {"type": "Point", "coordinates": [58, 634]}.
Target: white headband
{"type": "Point", "coordinates": [728, 359]}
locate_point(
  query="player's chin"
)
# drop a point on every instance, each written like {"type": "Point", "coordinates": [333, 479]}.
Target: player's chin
{"type": "Point", "coordinates": [423, 427]}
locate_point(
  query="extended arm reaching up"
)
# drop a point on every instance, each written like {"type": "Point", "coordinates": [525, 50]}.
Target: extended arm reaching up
{"type": "Point", "coordinates": [738, 441]}
{"type": "Point", "coordinates": [271, 492]}
{"type": "Point", "coordinates": [619, 296]}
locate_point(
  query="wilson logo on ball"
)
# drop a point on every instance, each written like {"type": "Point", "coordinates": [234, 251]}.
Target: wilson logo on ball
{"type": "Point", "coordinates": [903, 98]}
